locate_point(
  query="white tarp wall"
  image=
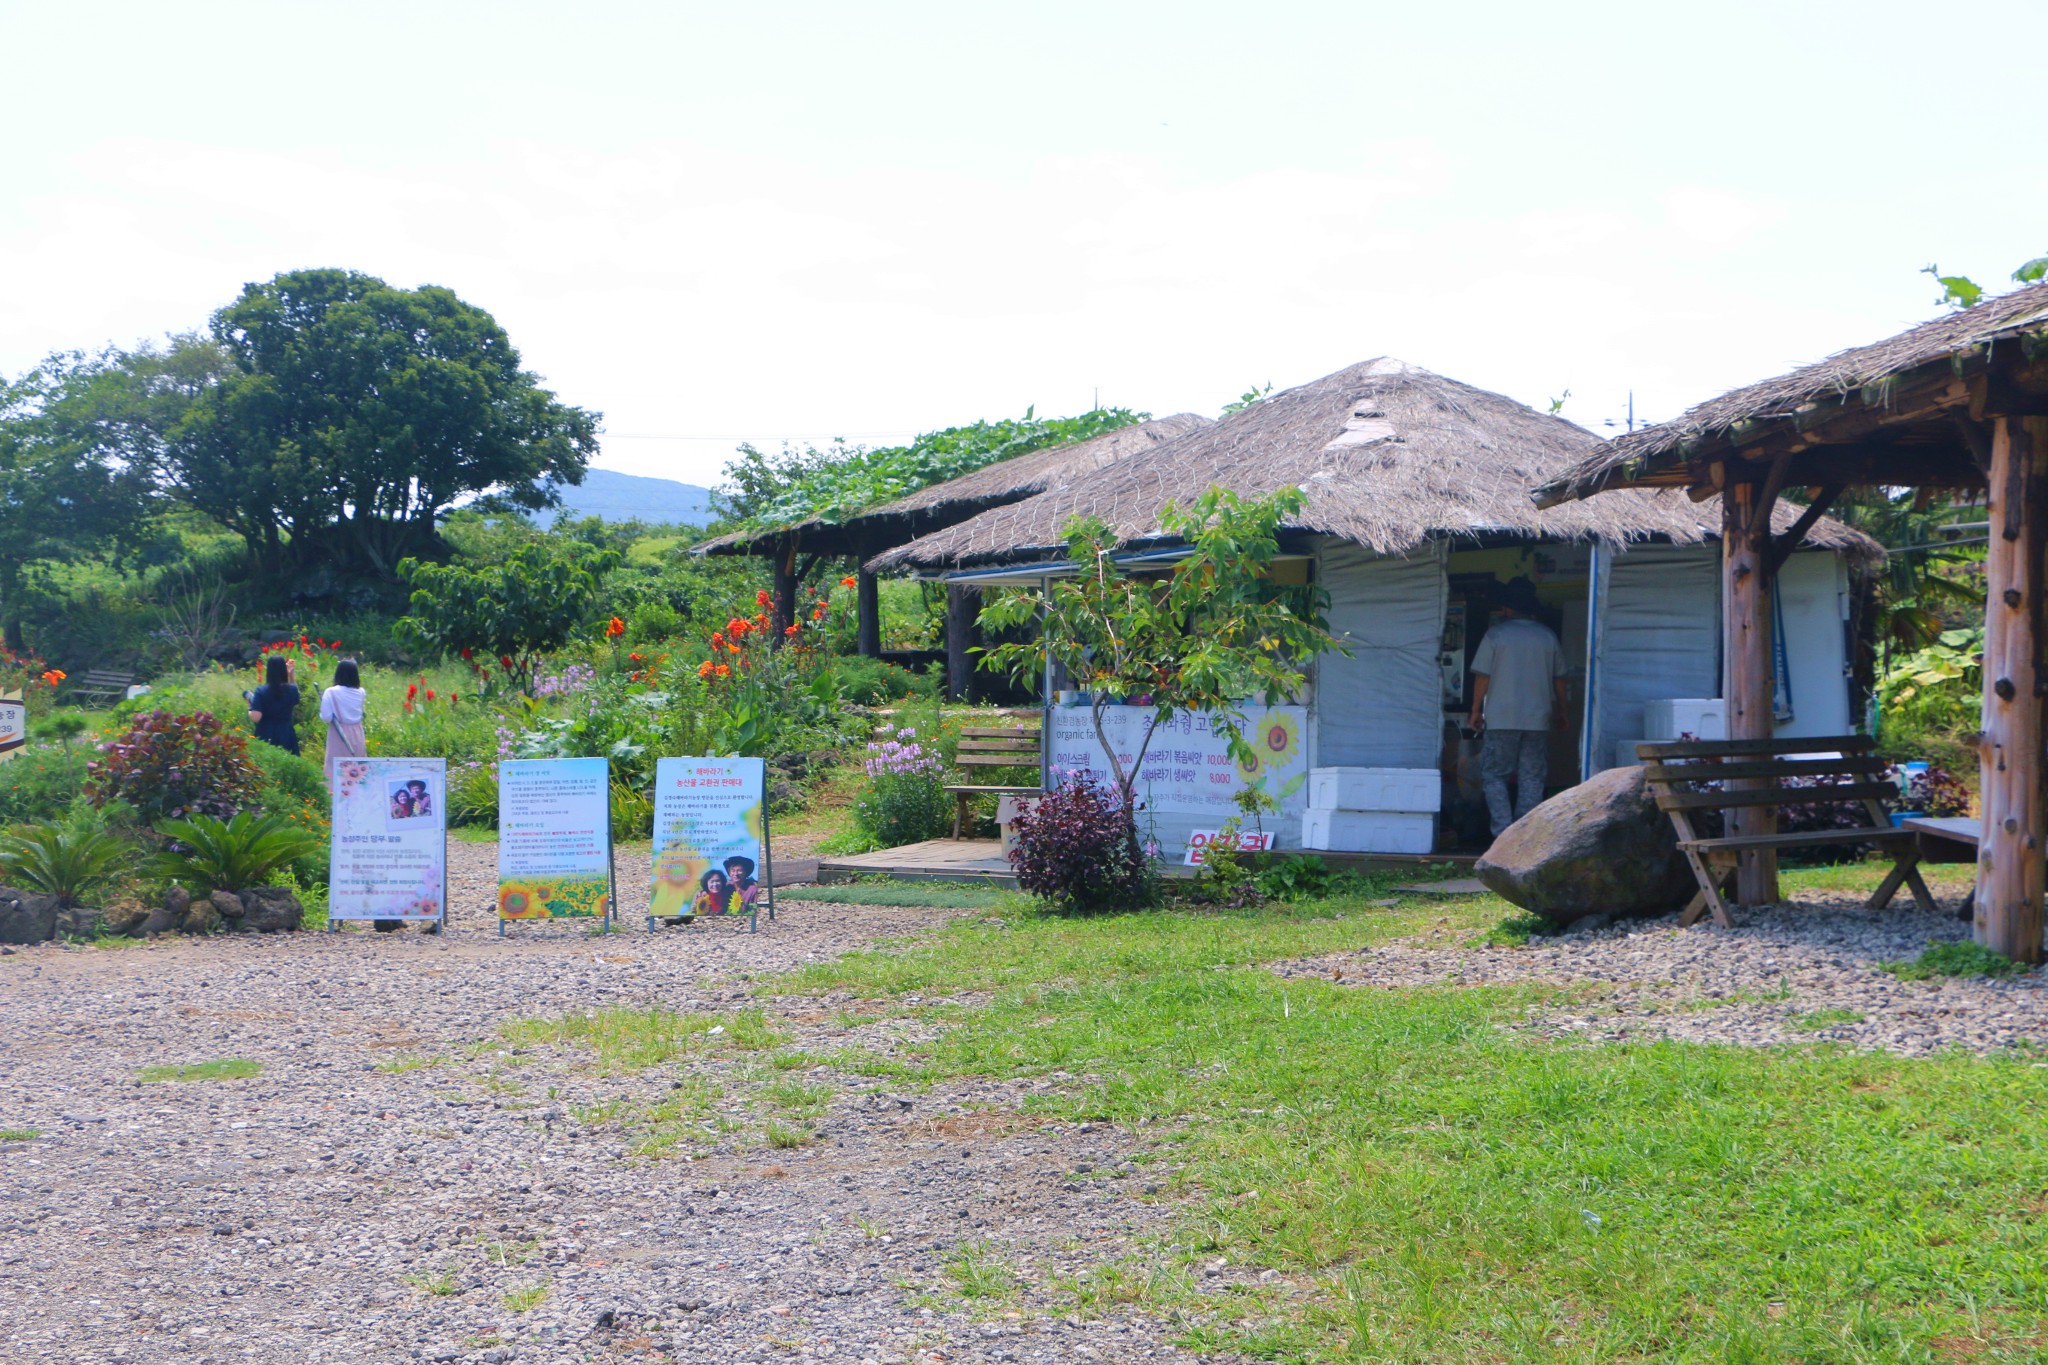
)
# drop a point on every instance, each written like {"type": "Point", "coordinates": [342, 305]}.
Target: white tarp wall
{"type": "Point", "coordinates": [1383, 706]}
{"type": "Point", "coordinates": [1813, 604]}
{"type": "Point", "coordinates": [1657, 633]}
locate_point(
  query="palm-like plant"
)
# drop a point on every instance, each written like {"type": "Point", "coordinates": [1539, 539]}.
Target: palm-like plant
{"type": "Point", "coordinates": [65, 860]}
{"type": "Point", "coordinates": [230, 855]}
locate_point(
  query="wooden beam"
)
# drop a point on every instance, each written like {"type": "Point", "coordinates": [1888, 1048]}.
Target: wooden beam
{"type": "Point", "coordinates": [868, 615]}
{"type": "Point", "coordinates": [1746, 654]}
{"type": "Point", "coordinates": [784, 609]}
{"type": "Point", "coordinates": [2011, 873]}
{"type": "Point", "coordinates": [1782, 546]}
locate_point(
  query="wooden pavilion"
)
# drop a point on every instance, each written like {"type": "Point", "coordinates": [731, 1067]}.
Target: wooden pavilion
{"type": "Point", "coordinates": [1957, 403]}
{"type": "Point", "coordinates": [794, 550]}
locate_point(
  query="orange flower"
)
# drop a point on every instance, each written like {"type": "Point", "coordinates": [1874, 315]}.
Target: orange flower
{"type": "Point", "coordinates": [614, 628]}
{"type": "Point", "coordinates": [789, 629]}
{"type": "Point", "coordinates": [818, 614]}
{"type": "Point", "coordinates": [704, 669]}
{"type": "Point", "coordinates": [634, 657]}
{"type": "Point", "coordinates": [735, 649]}
{"type": "Point", "coordinates": [722, 671]}
{"type": "Point", "coordinates": [849, 582]}
{"type": "Point", "coordinates": [736, 627]}
{"type": "Point", "coordinates": [717, 639]}
{"type": "Point", "coordinates": [762, 599]}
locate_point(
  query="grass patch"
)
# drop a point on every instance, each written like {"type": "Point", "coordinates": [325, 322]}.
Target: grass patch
{"type": "Point", "coordinates": [978, 1273]}
{"type": "Point", "coordinates": [1514, 931]}
{"type": "Point", "coordinates": [1962, 957]}
{"type": "Point", "coordinates": [634, 1039]}
{"type": "Point", "coordinates": [785, 1136]}
{"type": "Point", "coordinates": [1431, 1186]}
{"type": "Point", "coordinates": [20, 1134]}
{"type": "Point", "coordinates": [944, 895]}
{"type": "Point", "coordinates": [1832, 1017]}
{"type": "Point", "coordinates": [526, 1299]}
{"type": "Point", "coordinates": [398, 1066]}
{"type": "Point", "coordinates": [439, 1285]}
{"type": "Point", "coordinates": [226, 1069]}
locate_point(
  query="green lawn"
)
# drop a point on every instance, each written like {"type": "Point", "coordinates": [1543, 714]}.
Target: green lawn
{"type": "Point", "coordinates": [1433, 1188]}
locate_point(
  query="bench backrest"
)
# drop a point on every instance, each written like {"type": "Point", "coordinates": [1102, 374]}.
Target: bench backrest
{"type": "Point", "coordinates": [1844, 769]}
{"type": "Point", "coordinates": [103, 677]}
{"type": "Point", "coordinates": [998, 746]}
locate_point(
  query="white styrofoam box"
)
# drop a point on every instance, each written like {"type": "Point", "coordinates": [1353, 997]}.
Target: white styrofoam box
{"type": "Point", "coordinates": [1388, 789]}
{"type": "Point", "coordinates": [1369, 831]}
{"type": "Point", "coordinates": [1700, 717]}
{"type": "Point", "coordinates": [1625, 753]}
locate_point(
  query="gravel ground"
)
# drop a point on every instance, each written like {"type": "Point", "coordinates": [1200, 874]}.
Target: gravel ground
{"type": "Point", "coordinates": [1764, 982]}
{"type": "Point", "coordinates": [399, 1183]}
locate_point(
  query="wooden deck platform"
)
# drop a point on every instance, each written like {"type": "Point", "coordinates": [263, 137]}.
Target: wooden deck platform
{"type": "Point", "coordinates": [981, 860]}
{"type": "Point", "coordinates": [934, 860]}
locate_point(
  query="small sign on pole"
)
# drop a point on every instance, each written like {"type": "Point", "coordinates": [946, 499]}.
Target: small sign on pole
{"type": "Point", "coordinates": [13, 723]}
{"type": "Point", "coordinates": [388, 853]}
{"type": "Point", "coordinates": [554, 839]}
{"type": "Point", "coordinates": [711, 854]}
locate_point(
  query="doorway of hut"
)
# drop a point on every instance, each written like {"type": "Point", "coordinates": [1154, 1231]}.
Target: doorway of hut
{"type": "Point", "coordinates": [1562, 575]}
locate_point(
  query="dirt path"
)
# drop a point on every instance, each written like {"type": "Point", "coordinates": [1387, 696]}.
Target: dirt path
{"type": "Point", "coordinates": [402, 1182]}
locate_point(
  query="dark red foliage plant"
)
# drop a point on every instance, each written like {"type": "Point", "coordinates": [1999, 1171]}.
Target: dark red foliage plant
{"type": "Point", "coordinates": [1077, 847]}
{"type": "Point", "coordinates": [170, 765]}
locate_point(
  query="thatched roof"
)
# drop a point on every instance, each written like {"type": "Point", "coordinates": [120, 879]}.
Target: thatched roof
{"type": "Point", "coordinates": [942, 504]}
{"type": "Point", "coordinates": [1873, 378]}
{"type": "Point", "coordinates": [1389, 455]}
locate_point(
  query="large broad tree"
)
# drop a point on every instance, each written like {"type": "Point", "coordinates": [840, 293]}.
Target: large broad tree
{"type": "Point", "coordinates": [71, 484]}
{"type": "Point", "coordinates": [351, 414]}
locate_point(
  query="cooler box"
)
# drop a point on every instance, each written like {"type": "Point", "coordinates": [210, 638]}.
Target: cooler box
{"type": "Point", "coordinates": [1700, 717]}
{"type": "Point", "coordinates": [1369, 831]}
{"type": "Point", "coordinates": [1375, 789]}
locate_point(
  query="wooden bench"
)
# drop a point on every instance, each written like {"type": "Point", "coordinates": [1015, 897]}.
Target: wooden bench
{"type": "Point", "coordinates": [996, 746]}
{"type": "Point", "coordinates": [1695, 775]}
{"type": "Point", "coordinates": [102, 685]}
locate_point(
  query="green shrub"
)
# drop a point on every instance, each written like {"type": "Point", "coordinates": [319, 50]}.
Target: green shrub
{"type": "Point", "coordinates": [66, 860]}
{"type": "Point", "coordinates": [872, 682]}
{"type": "Point", "coordinates": [172, 765]}
{"type": "Point", "coordinates": [473, 794]}
{"type": "Point", "coordinates": [651, 622]}
{"type": "Point", "coordinates": [1306, 878]}
{"type": "Point", "coordinates": [230, 855]}
{"type": "Point", "coordinates": [41, 782]}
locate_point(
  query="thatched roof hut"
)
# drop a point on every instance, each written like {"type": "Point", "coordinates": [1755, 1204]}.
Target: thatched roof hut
{"type": "Point", "coordinates": [928, 509]}
{"type": "Point", "coordinates": [1894, 398]}
{"type": "Point", "coordinates": [1390, 456]}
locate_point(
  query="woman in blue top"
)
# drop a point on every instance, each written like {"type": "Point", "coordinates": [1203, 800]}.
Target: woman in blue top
{"type": "Point", "coordinates": [271, 705]}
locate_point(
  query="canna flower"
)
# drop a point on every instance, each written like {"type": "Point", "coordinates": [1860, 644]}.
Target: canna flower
{"type": "Point", "coordinates": [789, 629]}
{"type": "Point", "coordinates": [704, 669]}
{"type": "Point", "coordinates": [634, 657]}
{"type": "Point", "coordinates": [505, 661]}
{"type": "Point", "coordinates": [454, 697]}
{"type": "Point", "coordinates": [614, 628]}
{"type": "Point", "coordinates": [718, 639]}
{"type": "Point", "coordinates": [762, 599]}
{"type": "Point", "coordinates": [849, 582]}
{"type": "Point", "coordinates": [722, 671]}
{"type": "Point", "coordinates": [818, 614]}
{"type": "Point", "coordinates": [467, 654]}
{"type": "Point", "coordinates": [430, 694]}
{"type": "Point", "coordinates": [412, 690]}
{"type": "Point", "coordinates": [736, 627]}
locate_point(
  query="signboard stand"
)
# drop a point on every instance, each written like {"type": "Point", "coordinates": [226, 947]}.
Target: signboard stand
{"type": "Point", "coordinates": [13, 723]}
{"type": "Point", "coordinates": [711, 855]}
{"type": "Point", "coordinates": [552, 812]}
{"type": "Point", "coordinates": [388, 849]}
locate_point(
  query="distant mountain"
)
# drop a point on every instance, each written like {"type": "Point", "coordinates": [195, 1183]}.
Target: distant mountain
{"type": "Point", "coordinates": [629, 497]}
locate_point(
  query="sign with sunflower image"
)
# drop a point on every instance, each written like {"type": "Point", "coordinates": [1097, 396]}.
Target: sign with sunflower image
{"type": "Point", "coordinates": [554, 839]}
{"type": "Point", "coordinates": [711, 856]}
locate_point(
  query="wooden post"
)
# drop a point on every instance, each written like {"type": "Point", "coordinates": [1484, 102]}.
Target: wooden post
{"type": "Point", "coordinates": [868, 636]}
{"type": "Point", "coordinates": [784, 610]}
{"type": "Point", "coordinates": [959, 630]}
{"type": "Point", "coordinates": [2010, 871]}
{"type": "Point", "coordinates": [1746, 651]}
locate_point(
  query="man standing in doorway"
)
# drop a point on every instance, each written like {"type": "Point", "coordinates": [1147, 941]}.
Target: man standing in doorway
{"type": "Point", "coordinates": [1517, 695]}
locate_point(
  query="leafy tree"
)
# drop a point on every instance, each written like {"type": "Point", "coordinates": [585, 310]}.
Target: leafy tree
{"type": "Point", "coordinates": [70, 487]}
{"type": "Point", "coordinates": [348, 415]}
{"type": "Point", "coordinates": [762, 491]}
{"type": "Point", "coordinates": [508, 613]}
{"type": "Point", "coordinates": [1214, 632]}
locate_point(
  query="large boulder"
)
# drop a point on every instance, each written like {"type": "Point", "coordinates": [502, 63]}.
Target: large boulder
{"type": "Point", "coordinates": [26, 916]}
{"type": "Point", "coordinates": [1601, 848]}
{"type": "Point", "coordinates": [272, 909]}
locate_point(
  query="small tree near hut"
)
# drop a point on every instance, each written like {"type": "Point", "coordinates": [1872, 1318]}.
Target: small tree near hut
{"type": "Point", "coordinates": [1211, 635]}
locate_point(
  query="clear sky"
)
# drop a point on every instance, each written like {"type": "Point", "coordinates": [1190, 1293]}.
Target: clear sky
{"type": "Point", "coordinates": [808, 220]}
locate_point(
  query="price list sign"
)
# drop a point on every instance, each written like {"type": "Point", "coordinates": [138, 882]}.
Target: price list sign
{"type": "Point", "coordinates": [710, 840]}
{"type": "Point", "coordinates": [554, 839]}
{"type": "Point", "coordinates": [388, 858]}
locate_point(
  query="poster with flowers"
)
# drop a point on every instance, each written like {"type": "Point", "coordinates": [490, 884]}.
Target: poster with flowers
{"type": "Point", "coordinates": [710, 839]}
{"type": "Point", "coordinates": [1189, 777]}
{"type": "Point", "coordinates": [388, 855]}
{"type": "Point", "coordinates": [554, 838]}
